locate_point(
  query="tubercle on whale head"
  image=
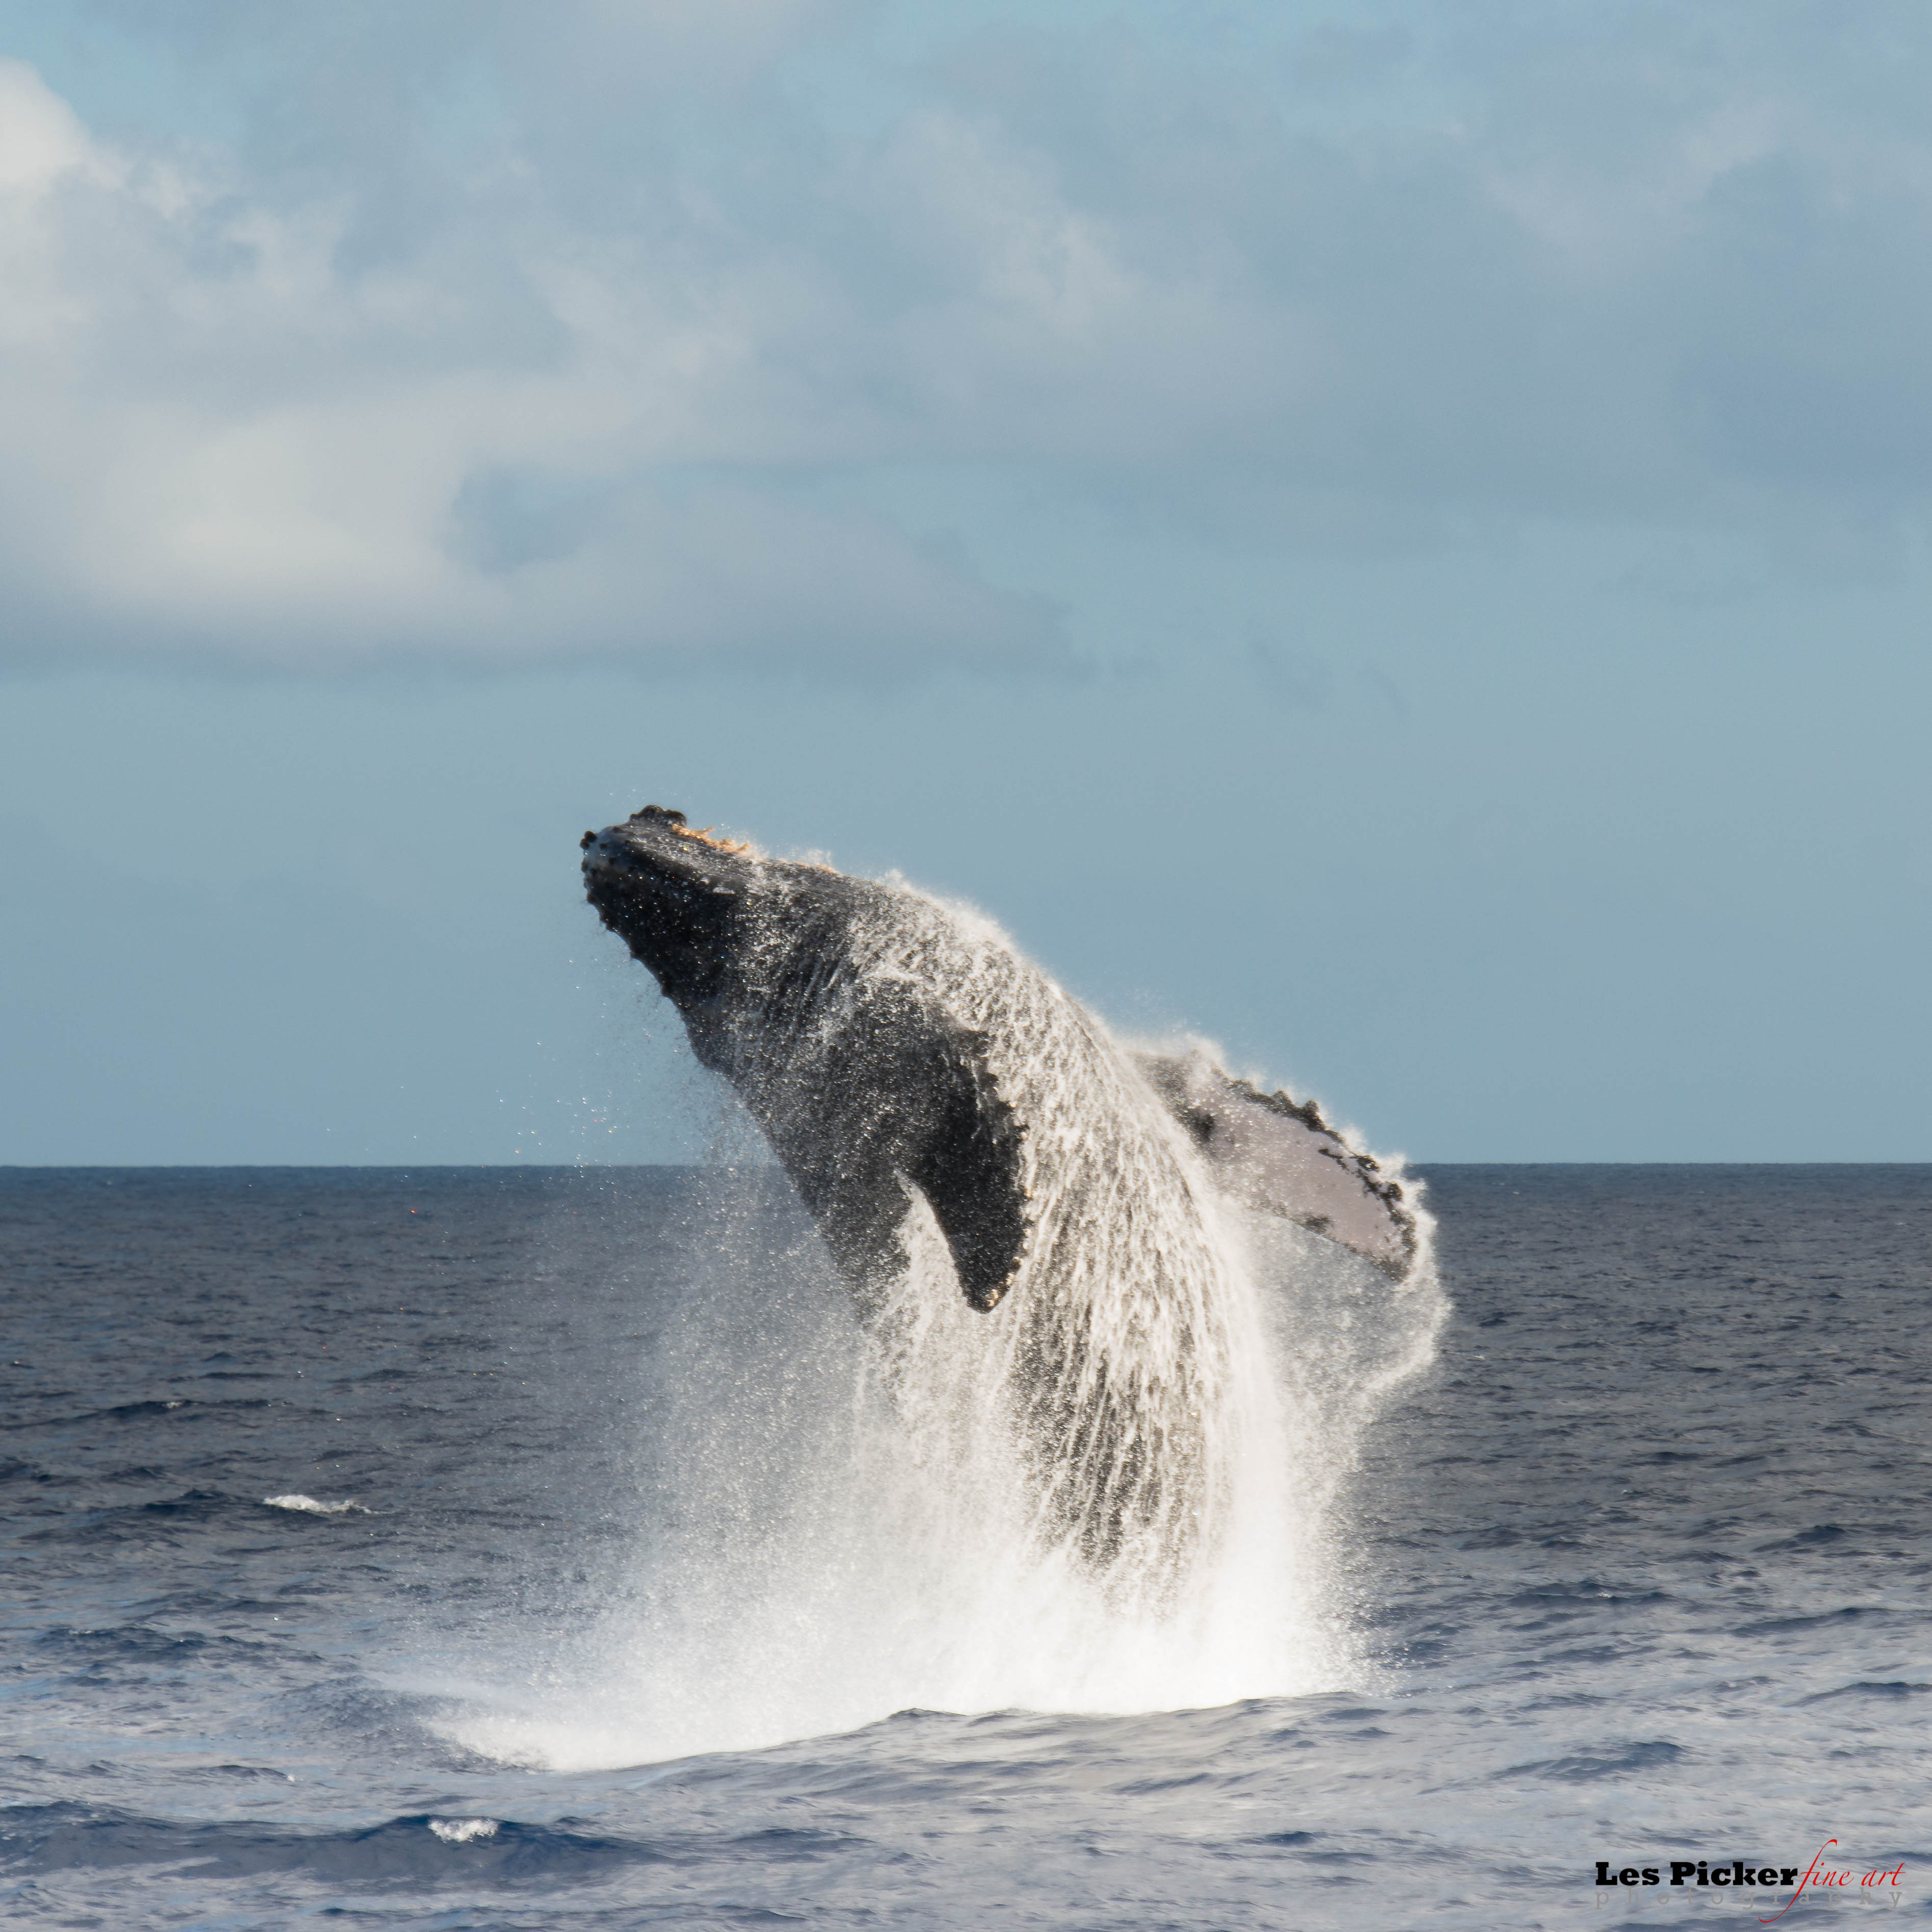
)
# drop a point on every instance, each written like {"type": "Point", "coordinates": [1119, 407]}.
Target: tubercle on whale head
{"type": "Point", "coordinates": [676, 823]}
{"type": "Point", "coordinates": [665, 830]}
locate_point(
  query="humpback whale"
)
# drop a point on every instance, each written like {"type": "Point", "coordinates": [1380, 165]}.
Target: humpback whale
{"type": "Point", "coordinates": [911, 1070]}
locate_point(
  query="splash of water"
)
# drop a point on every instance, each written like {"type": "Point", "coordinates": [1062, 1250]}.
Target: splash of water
{"type": "Point", "coordinates": [1114, 1491]}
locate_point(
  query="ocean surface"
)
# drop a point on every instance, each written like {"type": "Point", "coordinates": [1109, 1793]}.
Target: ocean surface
{"type": "Point", "coordinates": [468, 1549]}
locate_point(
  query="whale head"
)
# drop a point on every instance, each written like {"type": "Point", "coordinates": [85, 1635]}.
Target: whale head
{"type": "Point", "coordinates": [868, 1088]}
{"type": "Point", "coordinates": [675, 896]}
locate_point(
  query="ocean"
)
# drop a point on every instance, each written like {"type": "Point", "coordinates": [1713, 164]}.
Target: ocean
{"type": "Point", "coordinates": [481, 1548]}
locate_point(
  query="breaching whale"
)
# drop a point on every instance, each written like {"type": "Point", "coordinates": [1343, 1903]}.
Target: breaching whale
{"type": "Point", "coordinates": [910, 1069]}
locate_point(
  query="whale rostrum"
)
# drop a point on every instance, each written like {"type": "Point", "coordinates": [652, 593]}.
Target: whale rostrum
{"type": "Point", "coordinates": [901, 1056]}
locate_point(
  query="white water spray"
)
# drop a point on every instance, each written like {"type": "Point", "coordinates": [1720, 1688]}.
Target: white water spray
{"type": "Point", "coordinates": [1114, 1492]}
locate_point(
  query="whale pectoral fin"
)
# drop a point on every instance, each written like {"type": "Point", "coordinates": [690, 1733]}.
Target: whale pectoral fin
{"type": "Point", "coordinates": [985, 1227]}
{"type": "Point", "coordinates": [969, 1169]}
{"type": "Point", "coordinates": [1267, 1152]}
{"type": "Point", "coordinates": [911, 1106]}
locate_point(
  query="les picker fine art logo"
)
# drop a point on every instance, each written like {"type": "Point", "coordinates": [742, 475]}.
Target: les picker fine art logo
{"type": "Point", "coordinates": [1774, 1889]}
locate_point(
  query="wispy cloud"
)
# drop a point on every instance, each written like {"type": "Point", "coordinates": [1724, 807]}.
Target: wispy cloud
{"type": "Point", "coordinates": [485, 337]}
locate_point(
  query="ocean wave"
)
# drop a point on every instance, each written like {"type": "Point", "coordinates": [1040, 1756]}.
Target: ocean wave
{"type": "Point", "coordinates": [461, 1831]}
{"type": "Point", "coordinates": [412, 1849]}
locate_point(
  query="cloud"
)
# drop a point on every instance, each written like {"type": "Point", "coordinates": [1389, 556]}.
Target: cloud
{"type": "Point", "coordinates": [238, 431]}
{"type": "Point", "coordinates": [474, 335]}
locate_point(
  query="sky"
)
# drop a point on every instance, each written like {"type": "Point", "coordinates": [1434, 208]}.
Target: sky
{"type": "Point", "coordinates": [1392, 537]}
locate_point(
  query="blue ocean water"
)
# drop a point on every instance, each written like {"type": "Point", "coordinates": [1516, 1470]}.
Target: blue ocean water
{"type": "Point", "coordinates": [325, 1490]}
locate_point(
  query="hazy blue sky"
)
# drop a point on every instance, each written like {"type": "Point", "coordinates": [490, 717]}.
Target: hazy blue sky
{"type": "Point", "coordinates": [1393, 536]}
